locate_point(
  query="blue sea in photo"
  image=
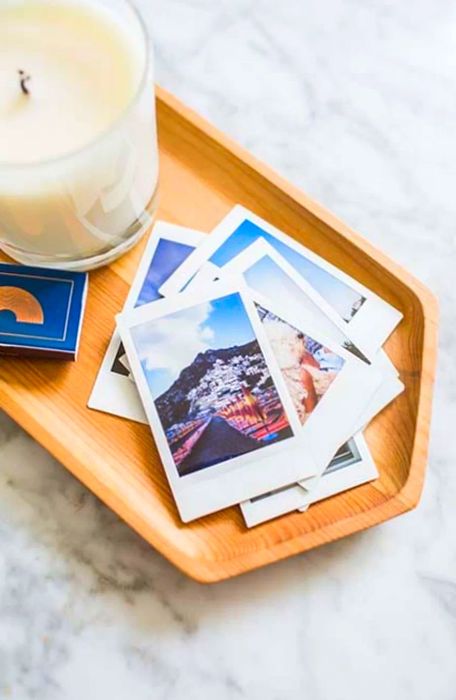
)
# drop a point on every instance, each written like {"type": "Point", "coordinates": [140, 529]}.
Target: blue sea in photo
{"type": "Point", "coordinates": [342, 298]}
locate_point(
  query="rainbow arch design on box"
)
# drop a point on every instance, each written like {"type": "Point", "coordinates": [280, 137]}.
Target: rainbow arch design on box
{"type": "Point", "coordinates": [25, 307]}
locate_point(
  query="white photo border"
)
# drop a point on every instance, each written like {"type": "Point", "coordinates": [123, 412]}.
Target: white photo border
{"type": "Point", "coordinates": [235, 480]}
{"type": "Point", "coordinates": [353, 388]}
{"type": "Point", "coordinates": [369, 328]}
{"type": "Point", "coordinates": [391, 385]}
{"type": "Point", "coordinates": [259, 510]}
{"type": "Point", "coordinates": [252, 255]}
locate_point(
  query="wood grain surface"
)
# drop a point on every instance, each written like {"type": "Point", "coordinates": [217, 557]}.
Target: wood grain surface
{"type": "Point", "coordinates": [203, 174]}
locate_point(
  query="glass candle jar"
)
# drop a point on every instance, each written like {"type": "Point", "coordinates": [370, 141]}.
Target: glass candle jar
{"type": "Point", "coordinates": [78, 147]}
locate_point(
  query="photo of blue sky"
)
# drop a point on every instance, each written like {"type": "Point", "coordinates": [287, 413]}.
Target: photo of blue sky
{"type": "Point", "coordinates": [166, 259]}
{"type": "Point", "coordinates": [169, 344]}
{"type": "Point", "coordinates": [342, 298]}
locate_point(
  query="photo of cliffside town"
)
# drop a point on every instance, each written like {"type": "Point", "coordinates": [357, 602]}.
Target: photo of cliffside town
{"type": "Point", "coordinates": [219, 402]}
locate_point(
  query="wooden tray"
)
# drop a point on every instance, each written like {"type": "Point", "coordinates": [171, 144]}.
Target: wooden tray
{"type": "Point", "coordinates": [202, 175]}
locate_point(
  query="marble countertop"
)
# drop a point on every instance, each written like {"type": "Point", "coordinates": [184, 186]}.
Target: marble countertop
{"type": "Point", "coordinates": [355, 103]}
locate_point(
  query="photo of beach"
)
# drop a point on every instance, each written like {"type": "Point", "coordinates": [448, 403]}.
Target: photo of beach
{"type": "Point", "coordinates": [210, 383]}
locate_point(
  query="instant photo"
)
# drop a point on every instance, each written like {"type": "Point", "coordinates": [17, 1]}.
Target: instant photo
{"type": "Point", "coordinates": [210, 383]}
{"type": "Point", "coordinates": [114, 390]}
{"type": "Point", "coordinates": [329, 387]}
{"type": "Point", "coordinates": [215, 398]}
{"type": "Point", "coordinates": [370, 318]}
{"type": "Point", "coordinates": [266, 272]}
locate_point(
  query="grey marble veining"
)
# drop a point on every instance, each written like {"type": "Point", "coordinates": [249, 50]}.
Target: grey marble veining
{"type": "Point", "coordinates": [355, 102]}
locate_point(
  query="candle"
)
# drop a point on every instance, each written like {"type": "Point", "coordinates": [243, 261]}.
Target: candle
{"type": "Point", "coordinates": [78, 155]}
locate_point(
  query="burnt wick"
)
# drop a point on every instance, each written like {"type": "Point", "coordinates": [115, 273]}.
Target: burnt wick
{"type": "Point", "coordinates": [23, 80]}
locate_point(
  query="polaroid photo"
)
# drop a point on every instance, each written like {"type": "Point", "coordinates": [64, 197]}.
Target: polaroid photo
{"type": "Point", "coordinates": [330, 388]}
{"type": "Point", "coordinates": [115, 390]}
{"type": "Point", "coordinates": [267, 273]}
{"type": "Point", "coordinates": [215, 398]}
{"type": "Point", "coordinates": [369, 318]}
{"type": "Point", "coordinates": [351, 466]}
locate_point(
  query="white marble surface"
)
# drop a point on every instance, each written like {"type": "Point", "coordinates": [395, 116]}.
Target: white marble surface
{"type": "Point", "coordinates": [355, 102]}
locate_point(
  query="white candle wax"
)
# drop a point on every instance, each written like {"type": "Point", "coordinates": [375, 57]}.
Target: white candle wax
{"type": "Point", "coordinates": [78, 163]}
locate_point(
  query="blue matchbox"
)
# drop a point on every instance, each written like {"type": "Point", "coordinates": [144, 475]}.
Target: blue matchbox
{"type": "Point", "coordinates": [41, 311]}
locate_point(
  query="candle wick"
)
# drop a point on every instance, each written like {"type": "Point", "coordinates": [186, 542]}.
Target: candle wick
{"type": "Point", "coordinates": [23, 80]}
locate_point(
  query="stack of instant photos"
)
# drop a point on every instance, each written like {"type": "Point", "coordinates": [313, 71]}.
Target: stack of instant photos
{"type": "Point", "coordinates": [257, 365]}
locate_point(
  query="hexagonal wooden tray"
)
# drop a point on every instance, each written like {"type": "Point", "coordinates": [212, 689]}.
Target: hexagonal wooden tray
{"type": "Point", "coordinates": [203, 174]}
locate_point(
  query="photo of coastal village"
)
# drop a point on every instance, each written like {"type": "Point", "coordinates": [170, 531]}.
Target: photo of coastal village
{"type": "Point", "coordinates": [214, 393]}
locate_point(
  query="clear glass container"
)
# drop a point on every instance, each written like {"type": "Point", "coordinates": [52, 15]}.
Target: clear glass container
{"type": "Point", "coordinates": [85, 208]}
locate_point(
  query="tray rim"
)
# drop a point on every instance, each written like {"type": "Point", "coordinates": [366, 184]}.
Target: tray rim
{"type": "Point", "coordinates": [210, 570]}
